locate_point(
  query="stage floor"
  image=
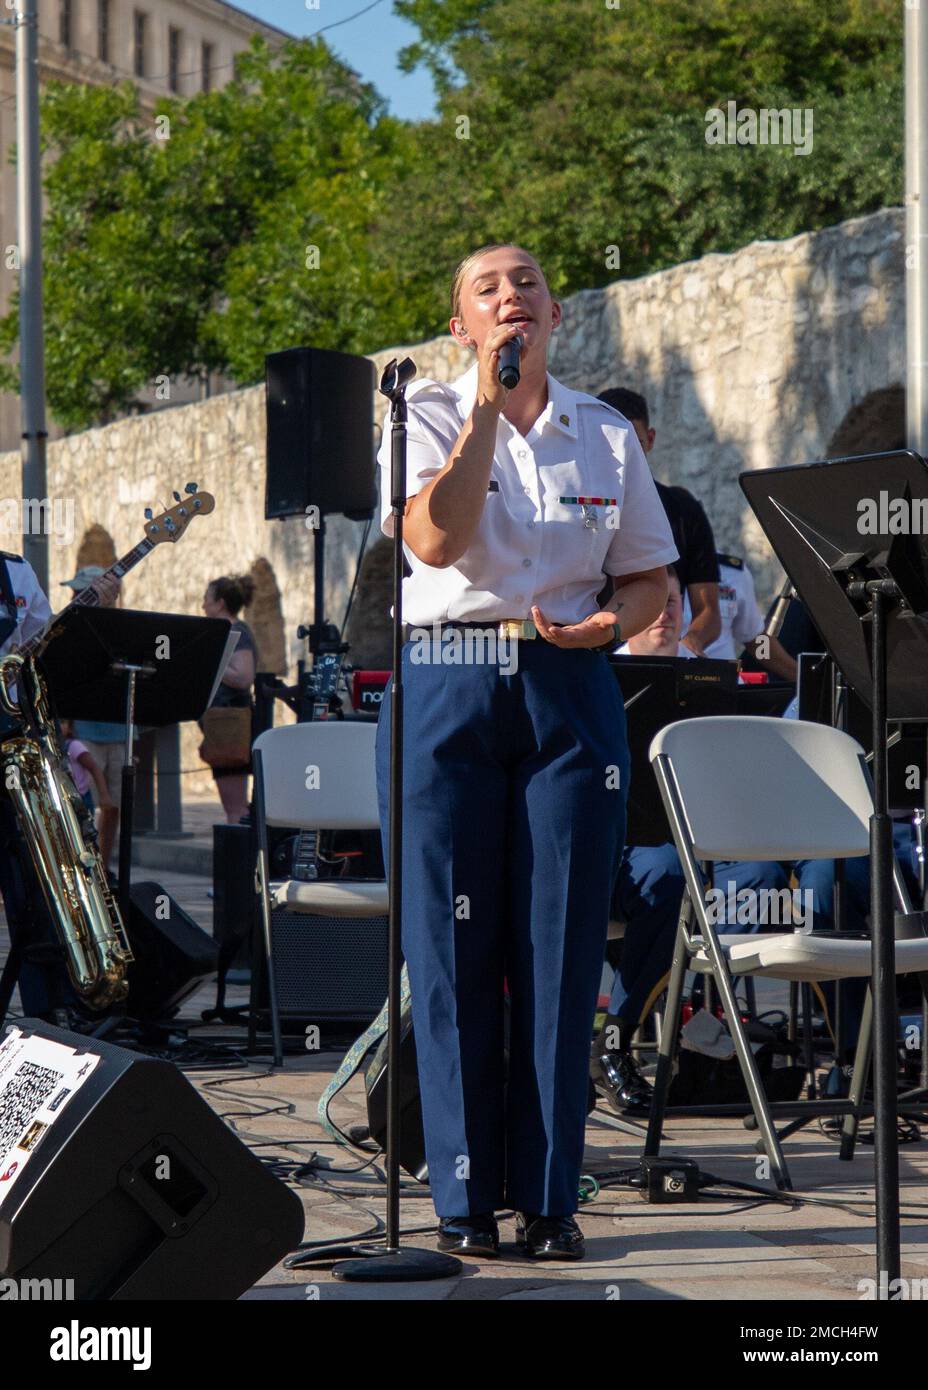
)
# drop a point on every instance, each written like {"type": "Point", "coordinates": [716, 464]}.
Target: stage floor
{"type": "Point", "coordinates": [714, 1250]}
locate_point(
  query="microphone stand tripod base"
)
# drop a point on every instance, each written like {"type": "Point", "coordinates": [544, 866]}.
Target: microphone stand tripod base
{"type": "Point", "coordinates": [380, 1265]}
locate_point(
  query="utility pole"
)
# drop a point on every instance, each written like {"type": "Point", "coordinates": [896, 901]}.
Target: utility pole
{"type": "Point", "coordinates": [31, 334]}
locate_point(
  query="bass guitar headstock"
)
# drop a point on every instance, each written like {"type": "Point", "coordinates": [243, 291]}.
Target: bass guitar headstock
{"type": "Point", "coordinates": [172, 524]}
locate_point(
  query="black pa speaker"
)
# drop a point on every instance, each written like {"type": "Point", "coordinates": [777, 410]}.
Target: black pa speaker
{"type": "Point", "coordinates": [116, 1175]}
{"type": "Point", "coordinates": [173, 956]}
{"type": "Point", "coordinates": [320, 440]}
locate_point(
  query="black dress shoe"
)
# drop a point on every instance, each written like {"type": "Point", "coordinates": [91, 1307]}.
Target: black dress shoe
{"type": "Point", "coordinates": [616, 1074]}
{"type": "Point", "coordinates": [549, 1237]}
{"type": "Point", "coordinates": [468, 1235]}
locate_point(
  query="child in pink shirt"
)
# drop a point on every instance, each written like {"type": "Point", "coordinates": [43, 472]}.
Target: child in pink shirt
{"type": "Point", "coordinates": [85, 771]}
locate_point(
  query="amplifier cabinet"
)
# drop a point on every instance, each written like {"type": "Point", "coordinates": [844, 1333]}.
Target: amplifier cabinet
{"type": "Point", "coordinates": [329, 968]}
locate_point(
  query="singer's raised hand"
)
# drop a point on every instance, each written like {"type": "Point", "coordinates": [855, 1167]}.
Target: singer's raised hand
{"type": "Point", "coordinates": [489, 390]}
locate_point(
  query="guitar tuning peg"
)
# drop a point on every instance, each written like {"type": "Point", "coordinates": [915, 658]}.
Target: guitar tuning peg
{"type": "Point", "coordinates": [191, 488]}
{"type": "Point", "coordinates": [176, 496]}
{"type": "Point", "coordinates": [148, 513]}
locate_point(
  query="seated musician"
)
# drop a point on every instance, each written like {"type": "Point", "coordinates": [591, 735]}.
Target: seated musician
{"type": "Point", "coordinates": [743, 630]}
{"type": "Point", "coordinates": [647, 897]}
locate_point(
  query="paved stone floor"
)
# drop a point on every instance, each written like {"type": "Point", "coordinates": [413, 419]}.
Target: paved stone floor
{"type": "Point", "coordinates": [721, 1248]}
{"type": "Point", "coordinates": [717, 1249]}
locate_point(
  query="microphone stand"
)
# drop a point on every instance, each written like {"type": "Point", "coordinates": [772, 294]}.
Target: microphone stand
{"type": "Point", "coordinates": [391, 1263]}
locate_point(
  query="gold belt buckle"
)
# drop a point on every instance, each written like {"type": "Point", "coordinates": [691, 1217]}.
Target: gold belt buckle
{"type": "Point", "coordinates": [517, 630]}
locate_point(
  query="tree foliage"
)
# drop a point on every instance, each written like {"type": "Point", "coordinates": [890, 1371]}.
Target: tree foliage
{"type": "Point", "coordinates": [575, 127]}
{"type": "Point", "coordinates": [207, 233]}
{"type": "Point", "coordinates": [289, 207]}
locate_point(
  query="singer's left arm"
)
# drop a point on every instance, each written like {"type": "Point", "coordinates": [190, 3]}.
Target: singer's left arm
{"type": "Point", "coordinates": [638, 600]}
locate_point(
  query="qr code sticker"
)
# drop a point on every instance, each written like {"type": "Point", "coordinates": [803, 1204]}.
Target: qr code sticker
{"type": "Point", "coordinates": [25, 1093]}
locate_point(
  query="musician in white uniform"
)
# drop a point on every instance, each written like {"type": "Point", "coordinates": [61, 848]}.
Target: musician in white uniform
{"type": "Point", "coordinates": [743, 623]}
{"type": "Point", "coordinates": [662, 638]}
{"type": "Point", "coordinates": [30, 610]}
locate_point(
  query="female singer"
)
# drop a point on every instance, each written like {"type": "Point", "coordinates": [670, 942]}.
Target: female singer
{"type": "Point", "coordinates": [519, 502]}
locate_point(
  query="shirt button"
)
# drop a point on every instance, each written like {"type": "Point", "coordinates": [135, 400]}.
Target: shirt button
{"type": "Point", "coordinates": [526, 564]}
{"type": "Point", "coordinates": [520, 598]}
{"type": "Point", "coordinates": [527, 491]}
{"type": "Point", "coordinates": [522, 454]}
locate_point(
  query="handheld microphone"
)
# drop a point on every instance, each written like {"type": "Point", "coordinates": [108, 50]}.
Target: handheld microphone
{"type": "Point", "coordinates": [509, 362]}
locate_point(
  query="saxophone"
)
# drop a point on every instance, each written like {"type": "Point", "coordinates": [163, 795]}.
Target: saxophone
{"type": "Point", "coordinates": [60, 834]}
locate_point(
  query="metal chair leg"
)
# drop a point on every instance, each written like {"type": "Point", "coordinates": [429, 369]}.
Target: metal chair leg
{"type": "Point", "coordinates": [750, 1073]}
{"type": "Point", "coordinates": [859, 1080]}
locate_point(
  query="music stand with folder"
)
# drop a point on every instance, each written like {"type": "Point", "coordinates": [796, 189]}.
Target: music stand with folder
{"type": "Point", "coordinates": [657, 691]}
{"type": "Point", "coordinates": [852, 535]}
{"type": "Point", "coordinates": [120, 666]}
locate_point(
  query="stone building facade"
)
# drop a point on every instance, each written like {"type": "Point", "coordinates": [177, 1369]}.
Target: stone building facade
{"type": "Point", "coordinates": [175, 47]}
{"type": "Point", "coordinates": [782, 352]}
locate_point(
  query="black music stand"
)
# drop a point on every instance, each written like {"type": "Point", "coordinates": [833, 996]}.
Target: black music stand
{"type": "Point", "coordinates": [846, 533]}
{"type": "Point", "coordinates": [120, 665]}
{"type": "Point", "coordinates": [657, 691]}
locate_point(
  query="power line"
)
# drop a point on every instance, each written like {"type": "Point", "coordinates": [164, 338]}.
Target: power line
{"type": "Point", "coordinates": [219, 67]}
{"type": "Point", "coordinates": [192, 72]}
{"type": "Point", "coordinates": [335, 23]}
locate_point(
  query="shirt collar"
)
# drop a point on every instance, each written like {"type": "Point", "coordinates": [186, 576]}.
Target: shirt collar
{"type": "Point", "coordinates": [561, 410]}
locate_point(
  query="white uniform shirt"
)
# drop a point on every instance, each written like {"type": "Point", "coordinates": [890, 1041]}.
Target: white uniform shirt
{"type": "Point", "coordinates": [33, 609]}
{"type": "Point", "coordinates": [625, 650]}
{"type": "Point", "coordinates": [741, 617]}
{"type": "Point", "coordinates": [531, 546]}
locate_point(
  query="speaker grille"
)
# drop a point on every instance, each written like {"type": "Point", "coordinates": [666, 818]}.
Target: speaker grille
{"type": "Point", "coordinates": [329, 967]}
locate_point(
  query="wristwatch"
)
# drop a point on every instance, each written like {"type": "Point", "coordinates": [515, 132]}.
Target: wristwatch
{"type": "Point", "coordinates": [614, 641]}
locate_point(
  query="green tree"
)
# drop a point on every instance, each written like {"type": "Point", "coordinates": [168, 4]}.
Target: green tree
{"type": "Point", "coordinates": [289, 207]}
{"type": "Point", "coordinates": [573, 128]}
{"type": "Point", "coordinates": [178, 242]}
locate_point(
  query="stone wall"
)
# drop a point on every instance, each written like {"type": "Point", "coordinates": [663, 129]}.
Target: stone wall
{"type": "Point", "coordinates": [782, 352]}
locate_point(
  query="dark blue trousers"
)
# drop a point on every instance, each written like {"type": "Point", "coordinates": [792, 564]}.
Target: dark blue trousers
{"type": "Point", "coordinates": [42, 988]}
{"type": "Point", "coordinates": [817, 876]}
{"type": "Point", "coordinates": [648, 894]}
{"type": "Point", "coordinates": [514, 814]}
{"type": "Point", "coordinates": [647, 899]}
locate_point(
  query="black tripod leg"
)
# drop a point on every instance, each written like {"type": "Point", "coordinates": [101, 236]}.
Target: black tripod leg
{"type": "Point", "coordinates": [808, 1048]}
{"type": "Point", "coordinates": [669, 1031]}
{"type": "Point", "coordinates": [923, 986]}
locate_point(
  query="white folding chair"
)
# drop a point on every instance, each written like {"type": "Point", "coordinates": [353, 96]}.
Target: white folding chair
{"type": "Point", "coordinates": [318, 775]}
{"type": "Point", "coordinates": [761, 789]}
